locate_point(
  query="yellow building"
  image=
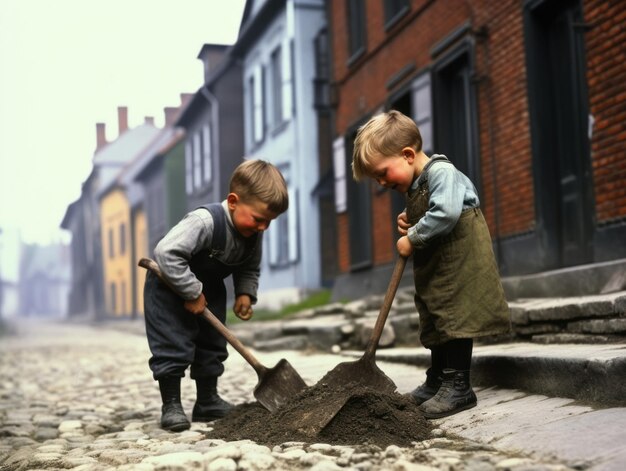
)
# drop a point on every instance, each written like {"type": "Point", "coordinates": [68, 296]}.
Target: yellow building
{"type": "Point", "coordinates": [141, 250]}
{"type": "Point", "coordinates": [124, 242]}
{"type": "Point", "coordinates": [117, 252]}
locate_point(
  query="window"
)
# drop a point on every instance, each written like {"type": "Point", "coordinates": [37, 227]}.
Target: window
{"type": "Point", "coordinates": [322, 71]}
{"type": "Point", "coordinates": [122, 238]}
{"type": "Point", "coordinates": [123, 306]}
{"type": "Point", "coordinates": [250, 110]}
{"type": "Point", "coordinates": [289, 88]}
{"type": "Point", "coordinates": [339, 166]}
{"type": "Point", "coordinates": [256, 86]}
{"type": "Point", "coordinates": [189, 167]}
{"type": "Point", "coordinates": [277, 86]}
{"type": "Point", "coordinates": [111, 249]}
{"type": "Point", "coordinates": [113, 294]}
{"type": "Point", "coordinates": [197, 161]}
{"type": "Point", "coordinates": [422, 110]}
{"type": "Point", "coordinates": [394, 9]}
{"type": "Point", "coordinates": [283, 233]}
{"type": "Point", "coordinates": [356, 27]}
{"type": "Point", "coordinates": [280, 248]}
{"type": "Point", "coordinates": [206, 153]}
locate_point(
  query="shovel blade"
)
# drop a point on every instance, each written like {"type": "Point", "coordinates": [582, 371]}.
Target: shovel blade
{"type": "Point", "coordinates": [342, 382]}
{"type": "Point", "coordinates": [278, 385]}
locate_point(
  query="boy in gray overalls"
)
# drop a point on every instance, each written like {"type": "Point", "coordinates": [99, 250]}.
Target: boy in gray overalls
{"type": "Point", "coordinates": [195, 256]}
{"type": "Point", "coordinates": [458, 292]}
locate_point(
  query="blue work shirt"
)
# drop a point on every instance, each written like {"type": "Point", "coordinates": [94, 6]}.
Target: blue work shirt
{"type": "Point", "coordinates": [450, 193]}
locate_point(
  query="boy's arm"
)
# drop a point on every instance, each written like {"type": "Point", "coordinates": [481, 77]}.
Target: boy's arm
{"type": "Point", "coordinates": [444, 207]}
{"type": "Point", "coordinates": [246, 279]}
{"type": "Point", "coordinates": [173, 253]}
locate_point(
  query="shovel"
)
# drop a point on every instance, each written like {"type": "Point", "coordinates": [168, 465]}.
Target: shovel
{"type": "Point", "coordinates": [345, 378]}
{"type": "Point", "coordinates": [277, 385]}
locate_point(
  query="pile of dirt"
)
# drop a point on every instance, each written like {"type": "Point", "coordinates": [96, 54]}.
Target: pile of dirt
{"type": "Point", "coordinates": [368, 417]}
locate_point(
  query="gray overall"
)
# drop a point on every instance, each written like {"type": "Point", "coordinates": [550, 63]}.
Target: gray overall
{"type": "Point", "coordinates": [178, 338]}
{"type": "Point", "coordinates": [458, 292]}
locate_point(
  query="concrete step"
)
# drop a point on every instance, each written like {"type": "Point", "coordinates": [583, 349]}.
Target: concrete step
{"type": "Point", "coordinates": [582, 319]}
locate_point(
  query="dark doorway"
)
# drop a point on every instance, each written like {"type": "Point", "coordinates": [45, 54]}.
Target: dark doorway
{"type": "Point", "coordinates": [359, 214]}
{"type": "Point", "coordinates": [455, 111]}
{"type": "Point", "coordinates": [559, 117]}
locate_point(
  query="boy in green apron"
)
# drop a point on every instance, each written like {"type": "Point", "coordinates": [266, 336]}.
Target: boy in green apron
{"type": "Point", "coordinates": [458, 292]}
{"type": "Point", "coordinates": [205, 247]}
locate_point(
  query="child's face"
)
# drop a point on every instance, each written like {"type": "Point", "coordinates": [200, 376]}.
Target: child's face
{"type": "Point", "coordinates": [251, 217]}
{"type": "Point", "coordinates": [395, 172]}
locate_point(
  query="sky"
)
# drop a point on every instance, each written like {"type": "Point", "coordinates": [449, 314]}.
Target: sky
{"type": "Point", "coordinates": [66, 65]}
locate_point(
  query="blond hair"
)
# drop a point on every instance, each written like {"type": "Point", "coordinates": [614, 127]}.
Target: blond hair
{"type": "Point", "coordinates": [385, 135]}
{"type": "Point", "coordinates": [260, 181]}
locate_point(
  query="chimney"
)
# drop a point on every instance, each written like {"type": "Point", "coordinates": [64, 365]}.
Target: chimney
{"type": "Point", "coordinates": [211, 56]}
{"type": "Point", "coordinates": [122, 119]}
{"type": "Point", "coordinates": [171, 113]}
{"type": "Point", "coordinates": [101, 139]}
{"type": "Point", "coordinates": [185, 98]}
{"type": "Point", "coordinates": [149, 120]}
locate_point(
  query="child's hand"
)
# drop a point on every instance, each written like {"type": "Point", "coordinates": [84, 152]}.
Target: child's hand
{"type": "Point", "coordinates": [403, 223]}
{"type": "Point", "coordinates": [197, 305]}
{"type": "Point", "coordinates": [243, 307]}
{"type": "Point", "coordinates": [405, 247]}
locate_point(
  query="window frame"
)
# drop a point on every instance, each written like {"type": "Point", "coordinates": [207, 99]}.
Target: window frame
{"type": "Point", "coordinates": [207, 154]}
{"type": "Point", "coordinates": [122, 238]}
{"type": "Point", "coordinates": [394, 10]}
{"type": "Point", "coordinates": [276, 68]}
{"type": "Point", "coordinates": [357, 31]}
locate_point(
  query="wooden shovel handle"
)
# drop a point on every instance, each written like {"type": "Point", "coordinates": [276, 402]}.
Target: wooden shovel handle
{"type": "Point", "coordinates": [396, 276]}
{"type": "Point", "coordinates": [151, 265]}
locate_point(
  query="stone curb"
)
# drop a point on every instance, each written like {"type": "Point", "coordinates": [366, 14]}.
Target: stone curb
{"type": "Point", "coordinates": [590, 373]}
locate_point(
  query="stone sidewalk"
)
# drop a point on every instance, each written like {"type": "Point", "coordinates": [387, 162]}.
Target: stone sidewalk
{"type": "Point", "coordinates": [81, 397]}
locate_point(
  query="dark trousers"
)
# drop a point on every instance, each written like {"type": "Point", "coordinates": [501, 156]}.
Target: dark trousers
{"type": "Point", "coordinates": [179, 339]}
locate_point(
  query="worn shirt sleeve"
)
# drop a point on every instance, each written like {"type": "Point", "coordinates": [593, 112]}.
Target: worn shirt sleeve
{"type": "Point", "coordinates": [246, 279]}
{"type": "Point", "coordinates": [173, 253]}
{"type": "Point", "coordinates": [446, 195]}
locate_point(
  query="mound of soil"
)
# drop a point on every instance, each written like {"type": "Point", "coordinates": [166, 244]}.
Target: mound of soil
{"type": "Point", "coordinates": [368, 417]}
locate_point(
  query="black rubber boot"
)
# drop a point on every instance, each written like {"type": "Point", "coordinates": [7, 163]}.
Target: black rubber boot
{"type": "Point", "coordinates": [454, 395]}
{"type": "Point", "coordinates": [173, 416]}
{"type": "Point", "coordinates": [427, 390]}
{"type": "Point", "coordinates": [209, 405]}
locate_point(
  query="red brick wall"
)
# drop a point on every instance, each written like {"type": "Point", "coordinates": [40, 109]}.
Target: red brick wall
{"type": "Point", "coordinates": [606, 79]}
{"type": "Point", "coordinates": [382, 232]}
{"type": "Point", "coordinates": [503, 117]}
{"type": "Point", "coordinates": [343, 241]}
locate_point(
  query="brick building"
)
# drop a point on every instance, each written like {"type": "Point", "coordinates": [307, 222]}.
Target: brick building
{"type": "Point", "coordinates": [527, 97]}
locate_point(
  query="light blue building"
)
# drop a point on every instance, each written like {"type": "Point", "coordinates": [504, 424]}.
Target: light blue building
{"type": "Point", "coordinates": [276, 45]}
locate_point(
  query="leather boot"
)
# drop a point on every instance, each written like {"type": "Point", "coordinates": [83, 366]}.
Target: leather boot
{"type": "Point", "coordinates": [209, 405]}
{"type": "Point", "coordinates": [173, 416]}
{"type": "Point", "coordinates": [427, 390]}
{"type": "Point", "coordinates": [454, 395]}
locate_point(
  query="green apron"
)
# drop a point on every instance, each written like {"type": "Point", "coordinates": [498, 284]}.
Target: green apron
{"type": "Point", "coordinates": [458, 291]}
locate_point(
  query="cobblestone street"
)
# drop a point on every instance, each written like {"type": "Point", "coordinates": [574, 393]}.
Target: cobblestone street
{"type": "Point", "coordinates": [82, 397]}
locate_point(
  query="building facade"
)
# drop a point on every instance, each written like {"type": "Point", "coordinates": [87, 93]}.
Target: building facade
{"type": "Point", "coordinates": [276, 46]}
{"type": "Point", "coordinates": [526, 98]}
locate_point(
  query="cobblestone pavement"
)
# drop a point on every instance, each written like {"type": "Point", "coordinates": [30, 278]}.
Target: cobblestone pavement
{"type": "Point", "coordinates": [81, 397]}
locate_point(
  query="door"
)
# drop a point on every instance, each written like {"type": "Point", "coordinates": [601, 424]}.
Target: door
{"type": "Point", "coordinates": [559, 118]}
{"type": "Point", "coordinates": [359, 214]}
{"type": "Point", "coordinates": [455, 114]}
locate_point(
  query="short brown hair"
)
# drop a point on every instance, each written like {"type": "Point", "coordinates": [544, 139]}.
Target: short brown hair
{"type": "Point", "coordinates": [385, 134]}
{"type": "Point", "coordinates": [261, 181]}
